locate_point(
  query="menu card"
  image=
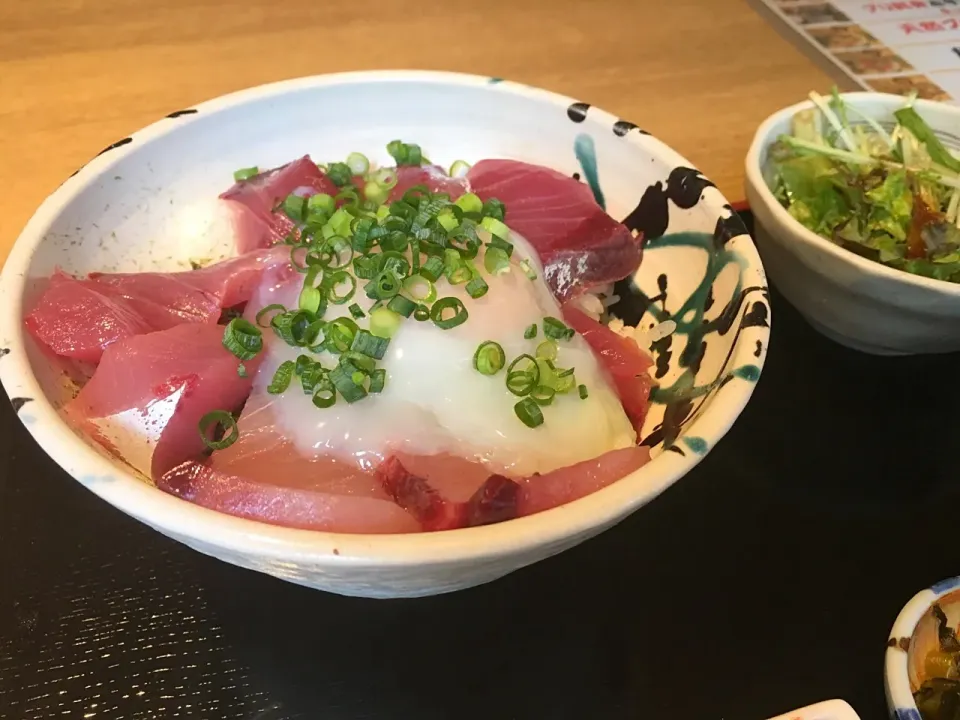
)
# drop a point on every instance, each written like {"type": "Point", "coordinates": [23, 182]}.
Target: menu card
{"type": "Point", "coordinates": [884, 45]}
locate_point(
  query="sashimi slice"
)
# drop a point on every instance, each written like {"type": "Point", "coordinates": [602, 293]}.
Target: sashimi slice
{"type": "Point", "coordinates": [146, 398]}
{"type": "Point", "coordinates": [433, 176]}
{"type": "Point", "coordinates": [295, 507]}
{"type": "Point", "coordinates": [262, 476]}
{"type": "Point", "coordinates": [232, 282]}
{"type": "Point", "coordinates": [626, 362]}
{"type": "Point", "coordinates": [579, 245]}
{"type": "Point", "coordinates": [433, 490]}
{"type": "Point", "coordinates": [254, 200]}
{"type": "Point", "coordinates": [565, 485]}
{"type": "Point", "coordinates": [78, 318]}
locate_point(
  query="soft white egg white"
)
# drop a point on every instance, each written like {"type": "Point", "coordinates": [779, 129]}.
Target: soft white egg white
{"type": "Point", "coordinates": [435, 401]}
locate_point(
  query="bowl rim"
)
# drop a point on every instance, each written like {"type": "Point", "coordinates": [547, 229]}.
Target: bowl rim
{"type": "Point", "coordinates": [763, 139]}
{"type": "Point", "coordinates": [188, 522]}
{"type": "Point", "coordinates": [896, 674]}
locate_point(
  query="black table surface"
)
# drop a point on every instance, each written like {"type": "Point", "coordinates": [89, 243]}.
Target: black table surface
{"type": "Point", "coordinates": [765, 580]}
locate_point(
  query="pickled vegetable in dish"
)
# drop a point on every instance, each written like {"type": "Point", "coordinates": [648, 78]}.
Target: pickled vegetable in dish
{"type": "Point", "coordinates": [889, 195]}
{"type": "Point", "coordinates": [937, 657]}
{"type": "Point", "coordinates": [388, 353]}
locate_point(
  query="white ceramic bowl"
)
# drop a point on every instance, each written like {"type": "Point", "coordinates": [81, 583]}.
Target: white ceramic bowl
{"type": "Point", "coordinates": [912, 632]}
{"type": "Point", "coordinates": [850, 299]}
{"type": "Point", "coordinates": [148, 202]}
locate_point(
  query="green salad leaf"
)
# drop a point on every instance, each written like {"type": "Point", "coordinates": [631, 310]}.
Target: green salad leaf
{"type": "Point", "coordinates": [887, 191]}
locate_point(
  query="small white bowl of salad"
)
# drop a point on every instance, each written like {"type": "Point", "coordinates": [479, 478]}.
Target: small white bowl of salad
{"type": "Point", "coordinates": [857, 203]}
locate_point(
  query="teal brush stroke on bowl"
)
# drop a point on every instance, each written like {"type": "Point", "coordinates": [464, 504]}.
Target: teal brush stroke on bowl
{"type": "Point", "coordinates": [697, 444]}
{"type": "Point", "coordinates": [586, 153]}
{"type": "Point", "coordinates": [691, 323]}
{"type": "Point", "coordinates": [495, 80]}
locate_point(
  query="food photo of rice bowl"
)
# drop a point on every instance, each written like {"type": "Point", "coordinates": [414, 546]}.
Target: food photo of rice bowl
{"type": "Point", "coordinates": [385, 356]}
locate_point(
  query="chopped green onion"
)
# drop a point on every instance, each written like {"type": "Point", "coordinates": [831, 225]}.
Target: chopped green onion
{"type": "Point", "coordinates": [384, 323]}
{"type": "Point", "coordinates": [523, 375]}
{"type": "Point", "coordinates": [312, 332]}
{"type": "Point", "coordinates": [529, 413]}
{"type": "Point", "coordinates": [241, 370]}
{"type": "Point", "coordinates": [312, 376]}
{"type": "Point", "coordinates": [495, 227]}
{"type": "Point", "coordinates": [281, 378]}
{"type": "Point", "coordinates": [395, 261]}
{"type": "Point", "coordinates": [447, 221]}
{"type": "Point", "coordinates": [420, 289]}
{"type": "Point", "coordinates": [324, 393]}
{"type": "Point", "coordinates": [432, 269]}
{"type": "Point", "coordinates": [421, 313]}
{"type": "Point", "coordinates": [321, 202]}
{"type": "Point", "coordinates": [455, 269]}
{"type": "Point", "coordinates": [543, 394]}
{"type": "Point", "coordinates": [336, 253]}
{"type": "Point", "coordinates": [338, 335]}
{"type": "Point", "coordinates": [401, 305]}
{"type": "Point", "coordinates": [209, 424]}
{"type": "Point", "coordinates": [494, 208]}
{"type": "Point", "coordinates": [339, 173]}
{"type": "Point", "coordinates": [441, 306]}
{"type": "Point", "coordinates": [583, 392]}
{"type": "Point", "coordinates": [405, 154]}
{"type": "Point", "coordinates": [497, 242]}
{"type": "Point", "coordinates": [242, 338]}
{"type": "Point", "coordinates": [340, 223]}
{"type": "Point", "coordinates": [370, 345]}
{"type": "Point", "coordinates": [310, 299]}
{"type": "Point", "coordinates": [303, 363]}
{"type": "Point", "coordinates": [489, 358]}
{"type": "Point", "coordinates": [459, 169]}
{"type": "Point", "coordinates": [356, 311]}
{"type": "Point", "coordinates": [547, 350]}
{"type": "Point", "coordinates": [469, 203]}
{"type": "Point", "coordinates": [384, 286]}
{"type": "Point", "coordinates": [477, 287]}
{"type": "Point", "coordinates": [556, 330]}
{"type": "Point", "coordinates": [295, 208]}
{"type": "Point", "coordinates": [527, 269]}
{"type": "Point", "coordinates": [530, 332]}
{"type": "Point", "coordinates": [342, 378]}
{"type": "Point", "coordinates": [365, 268]}
{"type": "Point", "coordinates": [563, 381]}
{"type": "Point", "coordinates": [339, 278]}
{"type": "Point", "coordinates": [385, 178]}
{"type": "Point", "coordinates": [358, 163]}
{"type": "Point", "coordinates": [496, 261]}
{"type": "Point", "coordinates": [375, 192]}
{"type": "Point", "coordinates": [378, 378]}
{"type": "Point", "coordinates": [245, 173]}
{"type": "Point", "coordinates": [269, 309]}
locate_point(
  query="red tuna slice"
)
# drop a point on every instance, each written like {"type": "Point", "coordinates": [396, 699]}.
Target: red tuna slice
{"type": "Point", "coordinates": [147, 396]}
{"type": "Point", "coordinates": [445, 493]}
{"type": "Point", "coordinates": [579, 245]}
{"type": "Point", "coordinates": [433, 176]}
{"type": "Point", "coordinates": [227, 283]}
{"type": "Point", "coordinates": [256, 224]}
{"type": "Point", "coordinates": [558, 487]}
{"type": "Point", "coordinates": [79, 318]}
{"type": "Point", "coordinates": [295, 507]}
{"type": "Point", "coordinates": [262, 476]}
{"type": "Point", "coordinates": [233, 282]}
{"type": "Point", "coordinates": [626, 362]}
